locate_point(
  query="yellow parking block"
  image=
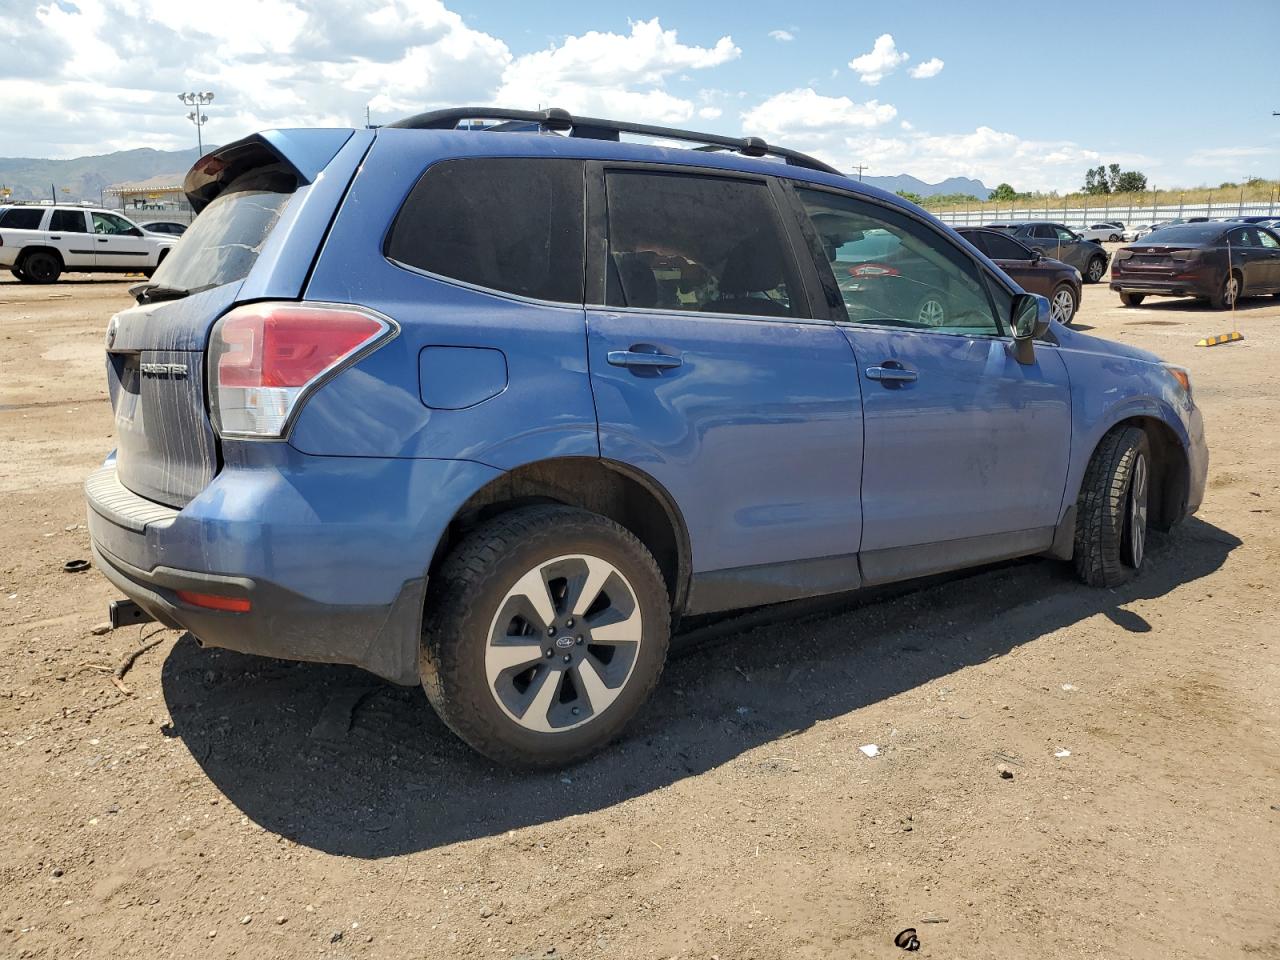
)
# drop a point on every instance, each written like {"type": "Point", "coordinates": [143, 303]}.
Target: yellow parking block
{"type": "Point", "coordinates": [1231, 337]}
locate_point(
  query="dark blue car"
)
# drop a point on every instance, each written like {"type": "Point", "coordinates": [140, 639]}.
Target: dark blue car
{"type": "Point", "coordinates": [490, 409]}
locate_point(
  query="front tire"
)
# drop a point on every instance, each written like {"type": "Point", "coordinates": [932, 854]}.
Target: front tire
{"type": "Point", "coordinates": [1111, 510]}
{"type": "Point", "coordinates": [1094, 271]}
{"type": "Point", "coordinates": [546, 630]}
{"type": "Point", "coordinates": [1063, 304]}
{"type": "Point", "coordinates": [1132, 299]}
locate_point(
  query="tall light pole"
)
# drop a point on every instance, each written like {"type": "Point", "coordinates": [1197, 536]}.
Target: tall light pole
{"type": "Point", "coordinates": [196, 116]}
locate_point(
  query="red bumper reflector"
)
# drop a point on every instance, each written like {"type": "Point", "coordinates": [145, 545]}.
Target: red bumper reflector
{"type": "Point", "coordinates": [212, 601]}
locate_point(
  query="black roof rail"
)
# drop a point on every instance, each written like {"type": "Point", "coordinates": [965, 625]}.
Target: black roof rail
{"type": "Point", "coordinates": [594, 128]}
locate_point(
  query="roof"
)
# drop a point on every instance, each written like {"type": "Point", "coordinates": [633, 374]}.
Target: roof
{"type": "Point", "coordinates": [169, 182]}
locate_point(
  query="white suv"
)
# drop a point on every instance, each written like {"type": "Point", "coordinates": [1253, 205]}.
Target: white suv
{"type": "Point", "coordinates": [38, 243]}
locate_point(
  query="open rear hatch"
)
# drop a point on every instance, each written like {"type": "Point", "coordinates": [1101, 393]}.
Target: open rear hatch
{"type": "Point", "coordinates": [166, 447]}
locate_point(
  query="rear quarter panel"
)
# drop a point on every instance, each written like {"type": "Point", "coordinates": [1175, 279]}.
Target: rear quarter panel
{"type": "Point", "coordinates": [379, 406]}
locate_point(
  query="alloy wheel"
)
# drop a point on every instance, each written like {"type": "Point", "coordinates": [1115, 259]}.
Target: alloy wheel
{"type": "Point", "coordinates": [1063, 306]}
{"type": "Point", "coordinates": [1230, 290]}
{"type": "Point", "coordinates": [1096, 269]}
{"type": "Point", "coordinates": [1138, 511]}
{"type": "Point", "coordinates": [563, 643]}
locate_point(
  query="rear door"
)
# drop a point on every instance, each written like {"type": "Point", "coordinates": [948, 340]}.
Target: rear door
{"type": "Point", "coordinates": [711, 375]}
{"type": "Point", "coordinates": [69, 229]}
{"type": "Point", "coordinates": [118, 244]}
{"type": "Point", "coordinates": [966, 450]}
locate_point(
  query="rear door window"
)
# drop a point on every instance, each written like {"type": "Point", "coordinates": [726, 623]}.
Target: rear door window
{"type": "Point", "coordinates": [511, 224]}
{"type": "Point", "coordinates": [68, 221]}
{"type": "Point", "coordinates": [701, 244]}
{"type": "Point", "coordinates": [1005, 248]}
{"type": "Point", "coordinates": [915, 277]}
{"type": "Point", "coordinates": [22, 218]}
{"type": "Point", "coordinates": [224, 241]}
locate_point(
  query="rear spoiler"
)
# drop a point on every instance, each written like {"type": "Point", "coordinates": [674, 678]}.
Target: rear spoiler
{"type": "Point", "coordinates": [303, 152]}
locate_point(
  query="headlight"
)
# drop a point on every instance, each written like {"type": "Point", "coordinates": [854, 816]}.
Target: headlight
{"type": "Point", "coordinates": [1180, 374]}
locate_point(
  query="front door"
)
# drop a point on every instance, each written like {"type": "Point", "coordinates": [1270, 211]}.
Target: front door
{"type": "Point", "coordinates": [712, 377]}
{"type": "Point", "coordinates": [118, 244]}
{"type": "Point", "coordinates": [966, 450]}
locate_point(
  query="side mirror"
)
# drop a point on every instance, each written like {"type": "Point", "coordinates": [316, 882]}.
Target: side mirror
{"type": "Point", "coordinates": [1037, 255]}
{"type": "Point", "coordinates": [1030, 318]}
{"type": "Point", "coordinates": [135, 232]}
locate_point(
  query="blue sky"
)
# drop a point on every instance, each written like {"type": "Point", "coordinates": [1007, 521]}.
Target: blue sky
{"type": "Point", "coordinates": [1020, 91]}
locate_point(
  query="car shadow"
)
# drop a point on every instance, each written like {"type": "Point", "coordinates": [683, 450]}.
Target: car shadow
{"type": "Point", "coordinates": [334, 759]}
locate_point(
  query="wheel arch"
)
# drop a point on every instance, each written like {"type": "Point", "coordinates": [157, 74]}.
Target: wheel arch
{"type": "Point", "coordinates": [1170, 467]}
{"type": "Point", "coordinates": [39, 248]}
{"type": "Point", "coordinates": [612, 489]}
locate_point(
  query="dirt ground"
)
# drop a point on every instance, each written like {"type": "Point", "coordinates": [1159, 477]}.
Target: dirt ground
{"type": "Point", "coordinates": [242, 807]}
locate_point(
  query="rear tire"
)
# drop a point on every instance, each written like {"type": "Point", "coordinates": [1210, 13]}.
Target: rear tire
{"type": "Point", "coordinates": [1111, 510]}
{"type": "Point", "coordinates": [485, 665]}
{"type": "Point", "coordinates": [1094, 271]}
{"type": "Point", "coordinates": [1132, 299]}
{"type": "Point", "coordinates": [41, 267]}
{"type": "Point", "coordinates": [1232, 290]}
{"type": "Point", "coordinates": [1113, 238]}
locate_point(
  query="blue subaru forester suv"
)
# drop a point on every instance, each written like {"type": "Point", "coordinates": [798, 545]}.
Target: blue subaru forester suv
{"type": "Point", "coordinates": [486, 400]}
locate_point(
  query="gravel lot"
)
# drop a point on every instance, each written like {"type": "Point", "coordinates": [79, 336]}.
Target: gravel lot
{"type": "Point", "coordinates": [236, 806]}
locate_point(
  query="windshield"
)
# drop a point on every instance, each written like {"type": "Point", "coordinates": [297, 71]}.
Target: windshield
{"type": "Point", "coordinates": [225, 240]}
{"type": "Point", "coordinates": [1186, 233]}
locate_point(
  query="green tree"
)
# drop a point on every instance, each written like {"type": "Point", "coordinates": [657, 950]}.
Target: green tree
{"type": "Point", "coordinates": [1095, 181]}
{"type": "Point", "coordinates": [1004, 191]}
{"type": "Point", "coordinates": [1131, 181]}
{"type": "Point", "coordinates": [913, 197]}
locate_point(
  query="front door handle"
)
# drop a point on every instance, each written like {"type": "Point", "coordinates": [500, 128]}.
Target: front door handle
{"type": "Point", "coordinates": [642, 358]}
{"type": "Point", "coordinates": [891, 374]}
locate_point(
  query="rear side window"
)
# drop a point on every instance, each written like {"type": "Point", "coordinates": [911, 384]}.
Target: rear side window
{"type": "Point", "coordinates": [698, 243]}
{"type": "Point", "coordinates": [998, 247]}
{"type": "Point", "coordinates": [506, 223]}
{"type": "Point", "coordinates": [68, 221]}
{"type": "Point", "coordinates": [223, 243]}
{"type": "Point", "coordinates": [22, 218]}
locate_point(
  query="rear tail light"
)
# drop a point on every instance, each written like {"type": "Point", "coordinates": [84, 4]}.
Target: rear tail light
{"type": "Point", "coordinates": [266, 358]}
{"type": "Point", "coordinates": [1183, 255]}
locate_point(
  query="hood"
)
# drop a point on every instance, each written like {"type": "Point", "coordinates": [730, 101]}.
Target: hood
{"type": "Point", "coordinates": [1075, 340]}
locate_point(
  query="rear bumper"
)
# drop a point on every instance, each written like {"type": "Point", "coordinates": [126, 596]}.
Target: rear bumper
{"type": "Point", "coordinates": [331, 553]}
{"type": "Point", "coordinates": [1159, 287]}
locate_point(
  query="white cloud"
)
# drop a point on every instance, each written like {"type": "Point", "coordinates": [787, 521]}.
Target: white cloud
{"type": "Point", "coordinates": [884, 58]}
{"type": "Point", "coordinates": [285, 63]}
{"type": "Point", "coordinates": [783, 36]}
{"type": "Point", "coordinates": [710, 113]}
{"type": "Point", "coordinates": [600, 72]}
{"type": "Point", "coordinates": [807, 111]}
{"type": "Point", "coordinates": [1223, 156]}
{"type": "Point", "coordinates": [929, 68]}
{"type": "Point", "coordinates": [845, 134]}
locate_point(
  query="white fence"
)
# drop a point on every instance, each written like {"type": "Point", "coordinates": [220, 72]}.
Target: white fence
{"type": "Point", "coordinates": [1128, 214]}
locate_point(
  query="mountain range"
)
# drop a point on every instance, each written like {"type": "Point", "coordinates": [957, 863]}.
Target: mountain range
{"type": "Point", "coordinates": [912, 184]}
{"type": "Point", "coordinates": [84, 178]}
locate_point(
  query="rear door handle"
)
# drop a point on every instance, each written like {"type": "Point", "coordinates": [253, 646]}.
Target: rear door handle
{"type": "Point", "coordinates": [643, 358]}
{"type": "Point", "coordinates": [887, 374]}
